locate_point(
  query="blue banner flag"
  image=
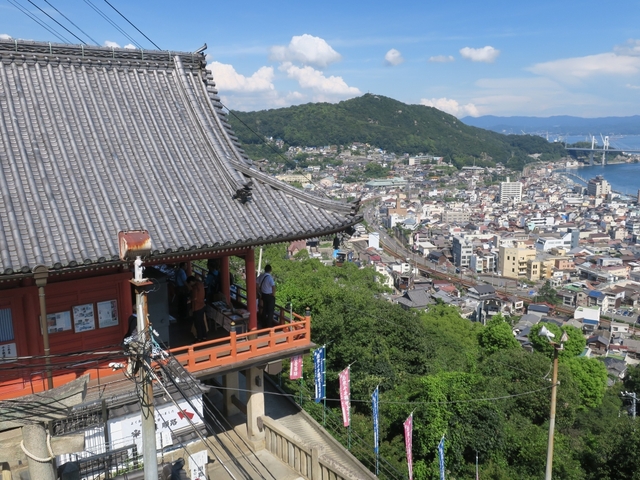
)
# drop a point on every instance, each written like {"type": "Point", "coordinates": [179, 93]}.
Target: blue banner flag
{"type": "Point", "coordinates": [376, 431]}
{"type": "Point", "coordinates": [319, 372]}
{"type": "Point", "coordinates": [441, 457]}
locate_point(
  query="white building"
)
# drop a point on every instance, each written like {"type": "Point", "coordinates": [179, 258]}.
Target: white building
{"type": "Point", "coordinates": [510, 192]}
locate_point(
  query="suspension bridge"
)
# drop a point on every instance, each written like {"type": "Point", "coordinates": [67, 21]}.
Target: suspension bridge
{"type": "Point", "coordinates": [603, 150]}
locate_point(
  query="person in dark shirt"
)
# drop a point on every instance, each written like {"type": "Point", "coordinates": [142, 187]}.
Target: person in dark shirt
{"type": "Point", "coordinates": [267, 289]}
{"type": "Point", "coordinates": [196, 288]}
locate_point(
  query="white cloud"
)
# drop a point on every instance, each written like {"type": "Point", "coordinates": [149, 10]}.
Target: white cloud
{"type": "Point", "coordinates": [486, 54]}
{"type": "Point", "coordinates": [442, 59]}
{"type": "Point", "coordinates": [633, 87]}
{"type": "Point", "coordinates": [109, 43]}
{"type": "Point", "coordinates": [310, 78]}
{"type": "Point", "coordinates": [632, 47]}
{"type": "Point", "coordinates": [306, 49]}
{"type": "Point", "coordinates": [451, 106]}
{"type": "Point", "coordinates": [4, 36]}
{"type": "Point", "coordinates": [393, 57]}
{"type": "Point", "coordinates": [130, 46]}
{"type": "Point", "coordinates": [572, 70]}
{"type": "Point", "coordinates": [227, 79]}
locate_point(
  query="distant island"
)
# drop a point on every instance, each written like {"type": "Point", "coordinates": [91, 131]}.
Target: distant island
{"type": "Point", "coordinates": [557, 125]}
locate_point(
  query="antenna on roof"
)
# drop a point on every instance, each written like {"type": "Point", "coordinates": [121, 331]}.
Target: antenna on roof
{"type": "Point", "coordinates": [201, 49]}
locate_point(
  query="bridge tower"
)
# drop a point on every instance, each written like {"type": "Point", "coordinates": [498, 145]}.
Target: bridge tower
{"type": "Point", "coordinates": [605, 147]}
{"type": "Point", "coordinates": [593, 147]}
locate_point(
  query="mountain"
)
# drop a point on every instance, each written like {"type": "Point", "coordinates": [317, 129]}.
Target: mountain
{"type": "Point", "coordinates": [561, 124]}
{"type": "Point", "coordinates": [388, 124]}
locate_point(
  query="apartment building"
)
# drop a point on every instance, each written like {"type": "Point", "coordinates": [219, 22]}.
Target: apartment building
{"type": "Point", "coordinates": [510, 192]}
{"type": "Point", "coordinates": [512, 261]}
{"type": "Point", "coordinates": [598, 187]}
{"type": "Point", "coordinates": [462, 249]}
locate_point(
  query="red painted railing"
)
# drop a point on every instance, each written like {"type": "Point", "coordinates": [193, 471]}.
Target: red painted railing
{"type": "Point", "coordinates": [19, 380]}
{"type": "Point", "coordinates": [246, 346]}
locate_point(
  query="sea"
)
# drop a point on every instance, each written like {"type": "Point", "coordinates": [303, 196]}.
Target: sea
{"type": "Point", "coordinates": [623, 177]}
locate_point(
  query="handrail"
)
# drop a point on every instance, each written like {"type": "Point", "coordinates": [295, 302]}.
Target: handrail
{"type": "Point", "coordinates": [244, 346]}
{"type": "Point", "coordinates": [284, 315]}
{"type": "Point", "coordinates": [303, 459]}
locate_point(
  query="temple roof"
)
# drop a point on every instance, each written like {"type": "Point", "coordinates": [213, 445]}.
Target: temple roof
{"type": "Point", "coordinates": [98, 140]}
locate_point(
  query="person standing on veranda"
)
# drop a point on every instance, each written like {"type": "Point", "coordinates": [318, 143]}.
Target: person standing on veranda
{"type": "Point", "coordinates": [196, 288]}
{"type": "Point", "coordinates": [267, 289]}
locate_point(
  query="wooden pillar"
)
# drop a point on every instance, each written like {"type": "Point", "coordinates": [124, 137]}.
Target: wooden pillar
{"type": "Point", "coordinates": [224, 278]}
{"type": "Point", "coordinates": [255, 402]}
{"type": "Point", "coordinates": [250, 268]}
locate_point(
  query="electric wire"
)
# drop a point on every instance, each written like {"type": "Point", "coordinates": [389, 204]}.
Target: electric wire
{"type": "Point", "coordinates": [182, 445]}
{"type": "Point", "coordinates": [214, 418]}
{"type": "Point", "coordinates": [203, 439]}
{"type": "Point", "coordinates": [80, 39]}
{"type": "Point", "coordinates": [35, 19]}
{"type": "Point", "coordinates": [69, 20]}
{"type": "Point", "coordinates": [368, 400]}
{"type": "Point", "coordinates": [261, 137]}
{"type": "Point", "coordinates": [140, 31]}
{"type": "Point", "coordinates": [169, 375]}
{"type": "Point", "coordinates": [112, 23]}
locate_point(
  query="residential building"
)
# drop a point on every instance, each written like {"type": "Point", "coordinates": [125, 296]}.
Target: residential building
{"type": "Point", "coordinates": [513, 261]}
{"type": "Point", "coordinates": [510, 192]}
{"type": "Point", "coordinates": [462, 250]}
{"type": "Point", "coordinates": [598, 187]}
{"type": "Point", "coordinates": [456, 216]}
{"type": "Point", "coordinates": [565, 241]}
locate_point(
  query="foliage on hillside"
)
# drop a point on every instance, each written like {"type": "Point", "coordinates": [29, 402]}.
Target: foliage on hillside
{"type": "Point", "coordinates": [468, 382]}
{"type": "Point", "coordinates": [388, 124]}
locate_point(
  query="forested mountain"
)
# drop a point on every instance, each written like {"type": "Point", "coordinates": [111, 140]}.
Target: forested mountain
{"type": "Point", "coordinates": [474, 384]}
{"type": "Point", "coordinates": [388, 124]}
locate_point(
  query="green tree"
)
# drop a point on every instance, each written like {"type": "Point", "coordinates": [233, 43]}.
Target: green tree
{"type": "Point", "coordinates": [548, 294]}
{"type": "Point", "coordinates": [590, 375]}
{"type": "Point", "coordinates": [572, 347]}
{"type": "Point", "coordinates": [497, 335]}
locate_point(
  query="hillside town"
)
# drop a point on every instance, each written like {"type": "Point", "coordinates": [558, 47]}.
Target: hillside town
{"type": "Point", "coordinates": [496, 239]}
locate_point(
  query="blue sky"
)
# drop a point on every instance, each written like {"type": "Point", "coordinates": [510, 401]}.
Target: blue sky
{"type": "Point", "coordinates": [493, 57]}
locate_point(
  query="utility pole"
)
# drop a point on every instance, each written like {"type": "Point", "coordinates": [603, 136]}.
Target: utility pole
{"type": "Point", "coordinates": [138, 243]}
{"type": "Point", "coordinates": [552, 415]}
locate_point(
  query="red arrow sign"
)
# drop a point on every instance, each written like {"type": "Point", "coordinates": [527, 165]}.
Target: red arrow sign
{"type": "Point", "coordinates": [185, 414]}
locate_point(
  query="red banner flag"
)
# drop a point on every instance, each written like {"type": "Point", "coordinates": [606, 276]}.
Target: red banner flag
{"type": "Point", "coordinates": [345, 396]}
{"type": "Point", "coordinates": [295, 369]}
{"type": "Point", "coordinates": [408, 443]}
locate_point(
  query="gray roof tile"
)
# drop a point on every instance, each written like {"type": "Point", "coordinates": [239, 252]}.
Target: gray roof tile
{"type": "Point", "coordinates": [96, 140]}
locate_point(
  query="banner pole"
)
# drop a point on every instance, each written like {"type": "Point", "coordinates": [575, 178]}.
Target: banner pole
{"type": "Point", "coordinates": [324, 386]}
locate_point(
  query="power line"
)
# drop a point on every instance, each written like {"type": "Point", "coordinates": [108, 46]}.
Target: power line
{"type": "Point", "coordinates": [113, 24]}
{"type": "Point", "coordinates": [446, 402]}
{"type": "Point", "coordinates": [43, 25]}
{"type": "Point", "coordinates": [261, 137]}
{"type": "Point", "coordinates": [203, 439]}
{"type": "Point", "coordinates": [81, 40]}
{"type": "Point", "coordinates": [69, 20]}
{"type": "Point", "coordinates": [171, 375]}
{"type": "Point", "coordinates": [140, 31]}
